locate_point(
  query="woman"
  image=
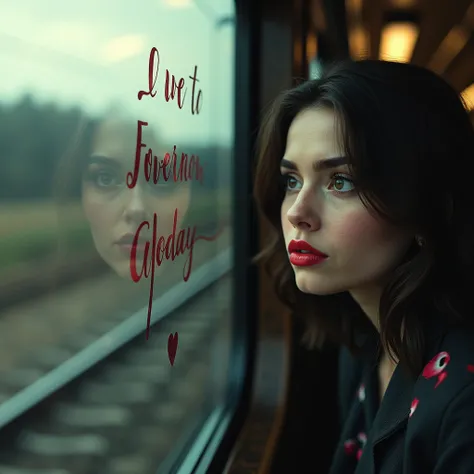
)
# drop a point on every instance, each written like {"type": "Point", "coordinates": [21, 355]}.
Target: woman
{"type": "Point", "coordinates": [95, 171]}
{"type": "Point", "coordinates": [153, 235]}
{"type": "Point", "coordinates": [113, 211]}
{"type": "Point", "coordinates": [373, 244]}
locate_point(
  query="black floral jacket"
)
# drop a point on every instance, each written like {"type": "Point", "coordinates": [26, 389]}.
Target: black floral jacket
{"type": "Point", "coordinates": [422, 426]}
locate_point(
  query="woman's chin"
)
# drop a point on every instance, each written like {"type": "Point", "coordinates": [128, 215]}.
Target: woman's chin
{"type": "Point", "coordinates": [319, 288]}
{"type": "Point", "coordinates": [123, 270]}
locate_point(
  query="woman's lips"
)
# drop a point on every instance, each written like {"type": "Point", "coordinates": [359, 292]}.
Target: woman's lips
{"type": "Point", "coordinates": [129, 247]}
{"type": "Point", "coordinates": [303, 254]}
{"type": "Point", "coordinates": [305, 259]}
{"type": "Point", "coordinates": [126, 243]}
{"type": "Point", "coordinates": [303, 246]}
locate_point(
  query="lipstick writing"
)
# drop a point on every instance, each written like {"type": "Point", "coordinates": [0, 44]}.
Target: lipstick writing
{"type": "Point", "coordinates": [173, 88]}
{"type": "Point", "coordinates": [167, 168]}
{"type": "Point", "coordinates": [161, 248]}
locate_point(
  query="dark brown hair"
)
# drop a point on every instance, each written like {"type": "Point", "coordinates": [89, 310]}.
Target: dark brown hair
{"type": "Point", "coordinates": [409, 142]}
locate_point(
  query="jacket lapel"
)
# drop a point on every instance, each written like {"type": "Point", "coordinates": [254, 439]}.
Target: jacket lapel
{"type": "Point", "coordinates": [395, 407]}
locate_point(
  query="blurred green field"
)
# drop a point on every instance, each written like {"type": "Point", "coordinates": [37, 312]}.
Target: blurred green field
{"type": "Point", "coordinates": [31, 231]}
{"type": "Point", "coordinates": [16, 217]}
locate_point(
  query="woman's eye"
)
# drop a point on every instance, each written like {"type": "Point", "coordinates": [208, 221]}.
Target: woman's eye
{"type": "Point", "coordinates": [341, 184]}
{"type": "Point", "coordinates": [290, 183]}
{"type": "Point", "coordinates": [105, 179]}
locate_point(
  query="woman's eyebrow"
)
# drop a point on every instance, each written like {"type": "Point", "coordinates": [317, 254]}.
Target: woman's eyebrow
{"type": "Point", "coordinates": [318, 165]}
{"type": "Point", "coordinates": [103, 160]}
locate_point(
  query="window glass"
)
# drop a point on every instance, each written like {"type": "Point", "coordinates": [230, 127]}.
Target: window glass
{"type": "Point", "coordinates": [116, 149]}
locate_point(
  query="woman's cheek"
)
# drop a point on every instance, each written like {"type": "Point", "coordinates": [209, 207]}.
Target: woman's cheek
{"type": "Point", "coordinates": [166, 206]}
{"type": "Point", "coordinates": [356, 233]}
{"type": "Point", "coordinates": [182, 202]}
{"type": "Point", "coordinates": [362, 238]}
{"type": "Point", "coordinates": [102, 216]}
{"type": "Point", "coordinates": [357, 225]}
{"type": "Point", "coordinates": [93, 208]}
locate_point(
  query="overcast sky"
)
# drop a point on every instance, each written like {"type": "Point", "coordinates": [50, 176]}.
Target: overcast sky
{"type": "Point", "coordinates": [94, 53]}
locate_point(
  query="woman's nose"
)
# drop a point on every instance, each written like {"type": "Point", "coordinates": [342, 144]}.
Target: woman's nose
{"type": "Point", "coordinates": [135, 208]}
{"type": "Point", "coordinates": [303, 214]}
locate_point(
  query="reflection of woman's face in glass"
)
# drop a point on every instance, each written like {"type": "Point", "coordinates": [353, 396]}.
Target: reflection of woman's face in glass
{"type": "Point", "coordinates": [113, 210]}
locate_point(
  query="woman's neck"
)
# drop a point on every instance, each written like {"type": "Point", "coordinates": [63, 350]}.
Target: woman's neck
{"type": "Point", "coordinates": [368, 299]}
{"type": "Point", "coordinates": [385, 370]}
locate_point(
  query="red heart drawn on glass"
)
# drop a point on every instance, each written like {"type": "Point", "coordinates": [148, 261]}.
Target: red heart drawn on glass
{"type": "Point", "coordinates": [172, 347]}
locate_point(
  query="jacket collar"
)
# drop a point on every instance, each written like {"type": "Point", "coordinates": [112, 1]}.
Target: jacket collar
{"type": "Point", "coordinates": [395, 407]}
{"type": "Point", "coordinates": [394, 410]}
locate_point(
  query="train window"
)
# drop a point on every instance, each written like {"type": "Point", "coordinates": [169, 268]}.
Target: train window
{"type": "Point", "coordinates": [116, 150]}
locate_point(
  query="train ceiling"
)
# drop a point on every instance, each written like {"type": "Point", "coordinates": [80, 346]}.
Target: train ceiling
{"type": "Point", "coordinates": [437, 34]}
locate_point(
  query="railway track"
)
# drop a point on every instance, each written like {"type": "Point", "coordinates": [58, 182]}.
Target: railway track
{"type": "Point", "coordinates": [131, 409]}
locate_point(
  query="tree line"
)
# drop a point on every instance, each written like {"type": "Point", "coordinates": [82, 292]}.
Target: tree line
{"type": "Point", "coordinates": [34, 137]}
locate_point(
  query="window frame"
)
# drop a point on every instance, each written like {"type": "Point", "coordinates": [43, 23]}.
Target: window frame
{"type": "Point", "coordinates": [209, 452]}
{"type": "Point", "coordinates": [217, 433]}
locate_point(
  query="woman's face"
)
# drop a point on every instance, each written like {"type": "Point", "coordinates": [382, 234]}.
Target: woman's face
{"type": "Point", "coordinates": [113, 210]}
{"type": "Point", "coordinates": [322, 208]}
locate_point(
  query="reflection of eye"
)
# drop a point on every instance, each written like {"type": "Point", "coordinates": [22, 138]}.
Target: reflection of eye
{"type": "Point", "coordinates": [103, 178]}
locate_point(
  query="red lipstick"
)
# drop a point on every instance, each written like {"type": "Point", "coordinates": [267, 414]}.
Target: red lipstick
{"type": "Point", "coordinates": [303, 255]}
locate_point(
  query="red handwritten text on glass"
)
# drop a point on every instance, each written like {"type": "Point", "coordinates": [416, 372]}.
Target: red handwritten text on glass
{"type": "Point", "coordinates": [172, 88]}
{"type": "Point", "coordinates": [175, 166]}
